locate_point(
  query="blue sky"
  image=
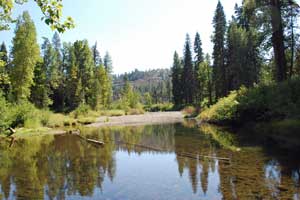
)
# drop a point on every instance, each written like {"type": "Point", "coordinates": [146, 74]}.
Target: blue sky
{"type": "Point", "coordinates": [140, 34]}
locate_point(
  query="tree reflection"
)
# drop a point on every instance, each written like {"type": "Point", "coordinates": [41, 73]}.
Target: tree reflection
{"type": "Point", "coordinates": [64, 165]}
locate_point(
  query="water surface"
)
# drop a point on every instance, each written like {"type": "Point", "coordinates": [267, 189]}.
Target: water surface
{"type": "Point", "coordinates": [67, 167]}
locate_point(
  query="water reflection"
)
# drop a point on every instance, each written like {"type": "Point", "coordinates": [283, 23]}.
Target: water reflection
{"type": "Point", "coordinates": [66, 167]}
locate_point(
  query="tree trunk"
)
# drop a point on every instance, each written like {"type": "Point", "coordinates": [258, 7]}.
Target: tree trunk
{"type": "Point", "coordinates": [278, 40]}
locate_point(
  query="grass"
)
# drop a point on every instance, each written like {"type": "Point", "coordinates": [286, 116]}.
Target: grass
{"type": "Point", "coordinates": [162, 107]}
{"type": "Point", "coordinates": [135, 111]}
{"type": "Point", "coordinates": [112, 113]}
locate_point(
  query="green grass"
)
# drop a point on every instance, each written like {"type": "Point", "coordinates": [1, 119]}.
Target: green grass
{"type": "Point", "coordinates": [112, 113]}
{"type": "Point", "coordinates": [162, 107]}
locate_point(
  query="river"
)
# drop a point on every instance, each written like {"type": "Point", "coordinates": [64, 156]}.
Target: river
{"type": "Point", "coordinates": [159, 162]}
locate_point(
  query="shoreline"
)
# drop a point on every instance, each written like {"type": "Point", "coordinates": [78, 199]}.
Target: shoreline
{"type": "Point", "coordinates": [139, 120]}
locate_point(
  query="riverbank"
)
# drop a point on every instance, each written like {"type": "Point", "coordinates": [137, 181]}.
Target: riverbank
{"type": "Point", "coordinates": [104, 121]}
{"type": "Point", "coordinates": [262, 103]}
{"type": "Point", "coordinates": [138, 120]}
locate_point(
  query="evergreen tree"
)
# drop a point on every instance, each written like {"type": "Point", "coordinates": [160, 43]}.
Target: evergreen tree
{"type": "Point", "coordinates": [25, 53]}
{"type": "Point", "coordinates": [198, 50]}
{"type": "Point", "coordinates": [198, 60]}
{"type": "Point", "coordinates": [57, 74]}
{"type": "Point", "coordinates": [176, 80]}
{"type": "Point", "coordinates": [40, 91]}
{"type": "Point", "coordinates": [4, 73]}
{"type": "Point", "coordinates": [108, 63]}
{"type": "Point", "coordinates": [219, 70]}
{"type": "Point", "coordinates": [205, 82]}
{"type": "Point", "coordinates": [96, 55]}
{"type": "Point", "coordinates": [105, 87]}
{"type": "Point", "coordinates": [188, 73]}
{"type": "Point", "coordinates": [85, 65]}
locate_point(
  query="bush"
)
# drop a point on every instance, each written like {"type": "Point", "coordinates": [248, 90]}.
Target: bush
{"type": "Point", "coordinates": [224, 111]}
{"type": "Point", "coordinates": [24, 113]}
{"type": "Point", "coordinates": [261, 103]}
{"type": "Point", "coordinates": [5, 116]}
{"type": "Point", "coordinates": [82, 110]}
{"type": "Point", "coordinates": [112, 113]}
{"type": "Point", "coordinates": [163, 107]}
{"type": "Point", "coordinates": [135, 111]}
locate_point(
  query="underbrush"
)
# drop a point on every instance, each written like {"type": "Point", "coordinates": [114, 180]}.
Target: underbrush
{"type": "Point", "coordinates": [261, 103]}
{"type": "Point", "coordinates": [162, 107]}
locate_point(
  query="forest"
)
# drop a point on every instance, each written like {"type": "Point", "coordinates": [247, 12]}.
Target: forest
{"type": "Point", "coordinates": [253, 72]}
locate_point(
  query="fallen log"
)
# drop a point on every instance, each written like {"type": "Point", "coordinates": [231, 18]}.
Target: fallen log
{"type": "Point", "coordinates": [12, 131]}
{"type": "Point", "coordinates": [95, 142]}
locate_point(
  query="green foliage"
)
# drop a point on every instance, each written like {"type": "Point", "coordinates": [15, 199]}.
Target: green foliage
{"type": "Point", "coordinates": [112, 113]}
{"type": "Point", "coordinates": [160, 107]}
{"type": "Point", "coordinates": [51, 9]}
{"type": "Point", "coordinates": [86, 120]}
{"type": "Point", "coordinates": [177, 89]}
{"type": "Point", "coordinates": [25, 55]}
{"type": "Point", "coordinates": [5, 118]}
{"type": "Point", "coordinates": [130, 98]}
{"type": "Point", "coordinates": [218, 39]}
{"type": "Point", "coordinates": [188, 77]}
{"type": "Point", "coordinates": [262, 103]}
{"type": "Point", "coordinates": [81, 110]}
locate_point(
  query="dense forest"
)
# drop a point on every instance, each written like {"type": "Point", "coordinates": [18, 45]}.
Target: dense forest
{"type": "Point", "coordinates": [258, 49]}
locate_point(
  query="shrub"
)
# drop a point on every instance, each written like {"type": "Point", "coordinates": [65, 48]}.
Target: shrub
{"type": "Point", "coordinates": [159, 107]}
{"type": "Point", "coordinates": [82, 110]}
{"type": "Point", "coordinates": [24, 113]}
{"type": "Point", "coordinates": [135, 111]}
{"type": "Point", "coordinates": [261, 103]}
{"type": "Point", "coordinates": [224, 111]}
{"type": "Point", "coordinates": [112, 113]}
{"type": "Point", "coordinates": [5, 116]}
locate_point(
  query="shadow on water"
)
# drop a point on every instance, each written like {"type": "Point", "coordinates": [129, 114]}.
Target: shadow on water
{"type": "Point", "coordinates": [66, 167]}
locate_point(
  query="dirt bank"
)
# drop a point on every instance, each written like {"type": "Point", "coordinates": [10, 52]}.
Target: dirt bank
{"type": "Point", "coordinates": [136, 120]}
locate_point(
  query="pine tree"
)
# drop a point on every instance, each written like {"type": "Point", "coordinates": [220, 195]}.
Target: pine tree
{"type": "Point", "coordinates": [108, 63]}
{"type": "Point", "coordinates": [25, 53]}
{"type": "Point", "coordinates": [176, 80]}
{"type": "Point", "coordinates": [198, 49]}
{"type": "Point", "coordinates": [198, 60]}
{"type": "Point", "coordinates": [219, 70]}
{"type": "Point", "coordinates": [96, 55]}
{"type": "Point", "coordinates": [57, 74]}
{"type": "Point", "coordinates": [85, 65]}
{"type": "Point", "coordinates": [40, 91]}
{"type": "Point", "coordinates": [4, 73]}
{"type": "Point", "coordinates": [188, 73]}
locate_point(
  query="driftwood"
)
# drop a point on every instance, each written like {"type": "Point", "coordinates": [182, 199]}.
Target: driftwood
{"type": "Point", "coordinates": [95, 142]}
{"type": "Point", "coordinates": [12, 131]}
{"type": "Point", "coordinates": [77, 133]}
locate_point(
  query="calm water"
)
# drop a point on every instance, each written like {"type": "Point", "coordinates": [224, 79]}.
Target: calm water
{"type": "Point", "coordinates": [66, 167]}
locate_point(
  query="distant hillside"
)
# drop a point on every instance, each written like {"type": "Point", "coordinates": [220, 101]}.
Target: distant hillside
{"type": "Point", "coordinates": [157, 82]}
